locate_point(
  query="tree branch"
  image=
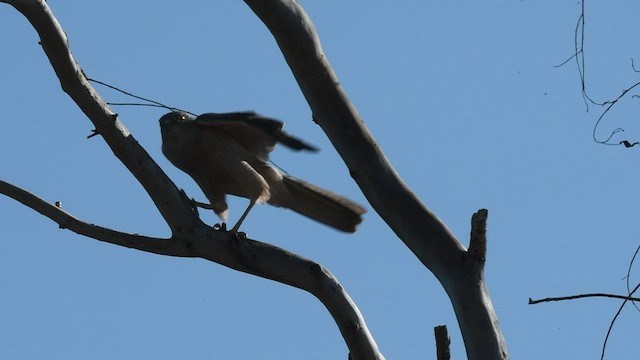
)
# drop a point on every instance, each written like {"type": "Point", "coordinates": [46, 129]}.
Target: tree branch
{"type": "Point", "coordinates": [582, 296]}
{"type": "Point", "coordinates": [190, 237]}
{"type": "Point", "coordinates": [65, 220]}
{"type": "Point", "coordinates": [420, 229]}
{"type": "Point", "coordinates": [245, 255]}
{"type": "Point", "coordinates": [277, 264]}
{"type": "Point", "coordinates": [172, 204]}
{"type": "Point", "coordinates": [417, 226]}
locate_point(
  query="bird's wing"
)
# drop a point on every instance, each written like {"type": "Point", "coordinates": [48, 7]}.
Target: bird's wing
{"type": "Point", "coordinates": [258, 134]}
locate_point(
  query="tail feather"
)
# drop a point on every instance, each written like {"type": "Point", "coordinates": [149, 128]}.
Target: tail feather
{"type": "Point", "coordinates": [323, 206]}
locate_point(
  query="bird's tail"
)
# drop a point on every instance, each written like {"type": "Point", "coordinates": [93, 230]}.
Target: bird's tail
{"type": "Point", "coordinates": [323, 206]}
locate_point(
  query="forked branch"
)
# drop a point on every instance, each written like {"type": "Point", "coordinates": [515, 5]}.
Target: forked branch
{"type": "Point", "coordinates": [190, 236]}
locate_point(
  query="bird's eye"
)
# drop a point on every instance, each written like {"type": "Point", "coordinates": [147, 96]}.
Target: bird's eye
{"type": "Point", "coordinates": [182, 118]}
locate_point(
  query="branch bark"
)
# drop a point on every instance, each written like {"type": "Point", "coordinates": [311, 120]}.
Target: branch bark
{"type": "Point", "coordinates": [190, 237]}
{"type": "Point", "coordinates": [460, 272]}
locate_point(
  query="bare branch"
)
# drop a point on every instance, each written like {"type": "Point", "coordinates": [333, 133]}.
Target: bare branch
{"type": "Point", "coordinates": [274, 263]}
{"type": "Point", "coordinates": [245, 255]}
{"type": "Point", "coordinates": [626, 298]}
{"type": "Point", "coordinates": [615, 317]}
{"type": "Point", "coordinates": [172, 204]}
{"type": "Point", "coordinates": [420, 229]}
{"type": "Point", "coordinates": [65, 220]}
{"type": "Point", "coordinates": [582, 296]}
{"type": "Point", "coordinates": [628, 277]}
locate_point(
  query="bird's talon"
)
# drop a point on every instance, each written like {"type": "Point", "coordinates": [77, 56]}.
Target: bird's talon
{"type": "Point", "coordinates": [241, 235]}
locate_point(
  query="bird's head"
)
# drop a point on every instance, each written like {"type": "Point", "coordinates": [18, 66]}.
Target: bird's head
{"type": "Point", "coordinates": [174, 118]}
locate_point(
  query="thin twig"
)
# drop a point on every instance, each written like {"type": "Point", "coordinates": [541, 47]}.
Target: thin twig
{"type": "Point", "coordinates": [628, 277]}
{"type": "Point", "coordinates": [153, 102]}
{"type": "Point", "coordinates": [581, 296]}
{"type": "Point", "coordinates": [579, 57]}
{"type": "Point", "coordinates": [615, 317]}
{"type": "Point", "coordinates": [630, 292]}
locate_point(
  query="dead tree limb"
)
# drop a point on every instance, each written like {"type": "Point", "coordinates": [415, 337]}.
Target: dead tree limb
{"type": "Point", "coordinates": [460, 272]}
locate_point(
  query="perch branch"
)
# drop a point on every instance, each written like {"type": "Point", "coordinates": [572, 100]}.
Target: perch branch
{"type": "Point", "coordinates": [246, 255]}
{"type": "Point", "coordinates": [199, 240]}
{"type": "Point", "coordinates": [277, 264]}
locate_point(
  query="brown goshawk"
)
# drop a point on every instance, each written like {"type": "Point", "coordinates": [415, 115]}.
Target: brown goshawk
{"type": "Point", "coordinates": [228, 153]}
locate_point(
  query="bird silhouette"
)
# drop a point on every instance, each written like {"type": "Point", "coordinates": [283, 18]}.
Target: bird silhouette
{"type": "Point", "coordinates": [228, 153]}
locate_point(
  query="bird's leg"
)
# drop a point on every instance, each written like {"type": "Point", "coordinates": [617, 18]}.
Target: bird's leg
{"type": "Point", "coordinates": [246, 212]}
{"type": "Point", "coordinates": [196, 204]}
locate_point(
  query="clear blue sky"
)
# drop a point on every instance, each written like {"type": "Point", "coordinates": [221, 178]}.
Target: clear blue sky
{"type": "Point", "coordinates": [463, 97]}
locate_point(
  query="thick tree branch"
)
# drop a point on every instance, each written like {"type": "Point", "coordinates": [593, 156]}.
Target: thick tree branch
{"type": "Point", "coordinates": [245, 255]}
{"type": "Point", "coordinates": [172, 204]}
{"type": "Point", "coordinates": [190, 237]}
{"type": "Point", "coordinates": [420, 229]}
{"type": "Point", "coordinates": [274, 263]}
{"type": "Point", "coordinates": [417, 226]}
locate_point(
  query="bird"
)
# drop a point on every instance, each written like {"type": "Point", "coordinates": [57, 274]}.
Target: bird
{"type": "Point", "coordinates": [228, 154]}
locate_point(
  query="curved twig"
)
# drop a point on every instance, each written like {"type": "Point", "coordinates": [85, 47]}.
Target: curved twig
{"type": "Point", "coordinates": [615, 317]}
{"type": "Point", "coordinates": [619, 311]}
{"type": "Point", "coordinates": [628, 277]}
{"type": "Point", "coordinates": [579, 50]}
